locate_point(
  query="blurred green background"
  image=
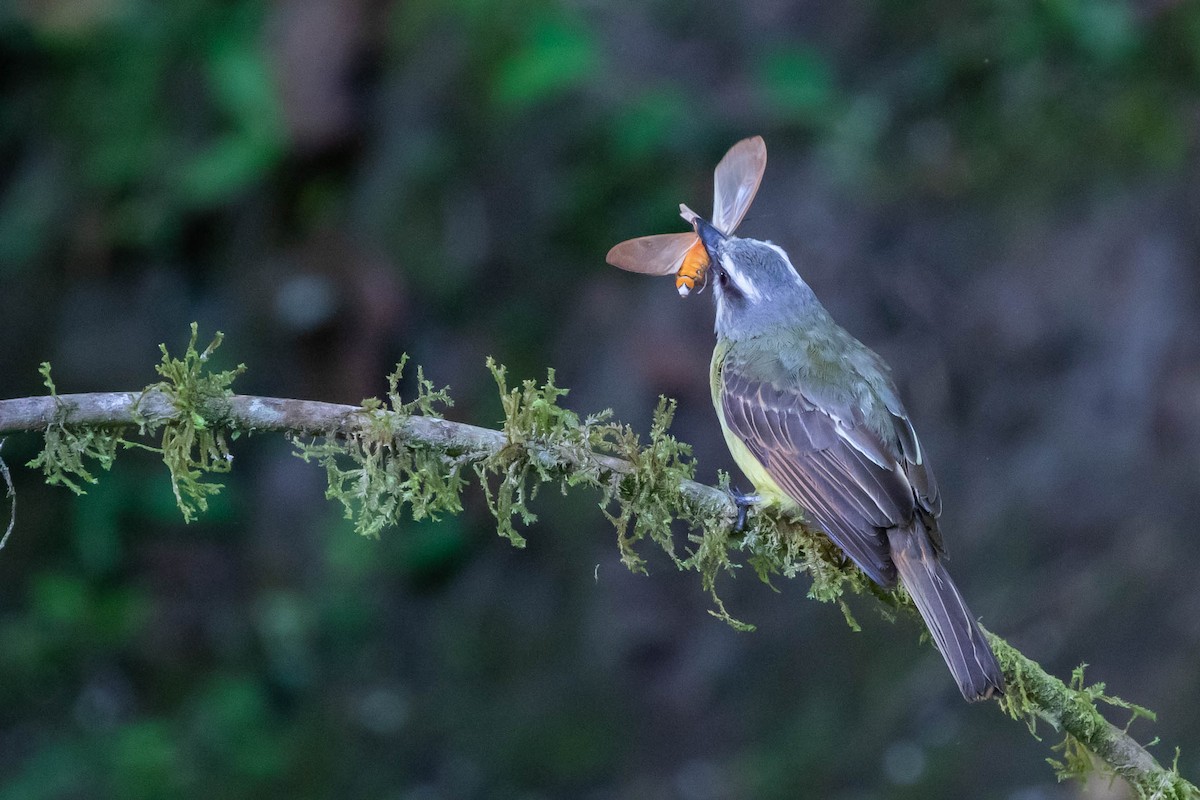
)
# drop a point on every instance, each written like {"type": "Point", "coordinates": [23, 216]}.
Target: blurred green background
{"type": "Point", "coordinates": [1002, 198]}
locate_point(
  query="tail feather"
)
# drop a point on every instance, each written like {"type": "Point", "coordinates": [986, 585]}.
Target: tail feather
{"type": "Point", "coordinates": [955, 632]}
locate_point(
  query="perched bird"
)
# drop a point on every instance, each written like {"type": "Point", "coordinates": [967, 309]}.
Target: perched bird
{"type": "Point", "coordinates": [813, 419]}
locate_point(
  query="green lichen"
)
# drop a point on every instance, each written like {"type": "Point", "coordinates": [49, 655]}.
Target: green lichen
{"type": "Point", "coordinates": [429, 401]}
{"type": "Point", "coordinates": [647, 497]}
{"type": "Point", "coordinates": [376, 471]}
{"type": "Point", "coordinates": [532, 418]}
{"type": "Point", "coordinates": [648, 502]}
{"type": "Point", "coordinates": [1077, 762]}
{"type": "Point", "coordinates": [68, 451]}
{"type": "Point", "coordinates": [1089, 745]}
{"type": "Point", "coordinates": [642, 499]}
{"type": "Point", "coordinates": [546, 442]}
{"type": "Point", "coordinates": [375, 474]}
{"type": "Point", "coordinates": [777, 543]}
{"type": "Point", "coordinates": [192, 446]}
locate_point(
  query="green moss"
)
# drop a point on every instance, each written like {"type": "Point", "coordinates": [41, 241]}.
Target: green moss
{"type": "Point", "coordinates": [68, 451]}
{"type": "Point", "coordinates": [778, 544]}
{"type": "Point", "coordinates": [191, 445]}
{"type": "Point", "coordinates": [643, 499]}
{"type": "Point", "coordinates": [648, 500]}
{"type": "Point", "coordinates": [534, 423]}
{"type": "Point", "coordinates": [376, 470]}
{"type": "Point", "coordinates": [375, 474]}
{"type": "Point", "coordinates": [1089, 746]}
{"type": "Point", "coordinates": [647, 497]}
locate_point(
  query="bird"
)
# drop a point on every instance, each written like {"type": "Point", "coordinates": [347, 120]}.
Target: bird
{"type": "Point", "coordinates": [813, 418]}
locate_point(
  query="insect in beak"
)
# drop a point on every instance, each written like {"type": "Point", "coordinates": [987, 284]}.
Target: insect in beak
{"type": "Point", "coordinates": [693, 269]}
{"type": "Point", "coordinates": [687, 255]}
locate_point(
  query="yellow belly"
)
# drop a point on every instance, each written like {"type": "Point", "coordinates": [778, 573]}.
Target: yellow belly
{"type": "Point", "coordinates": [751, 467]}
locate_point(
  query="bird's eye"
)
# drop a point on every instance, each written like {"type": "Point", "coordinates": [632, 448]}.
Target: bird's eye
{"type": "Point", "coordinates": [728, 287]}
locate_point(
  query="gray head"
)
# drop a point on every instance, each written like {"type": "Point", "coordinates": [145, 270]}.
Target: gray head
{"type": "Point", "coordinates": [755, 285]}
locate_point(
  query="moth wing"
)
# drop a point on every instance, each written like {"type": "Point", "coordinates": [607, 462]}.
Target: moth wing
{"type": "Point", "coordinates": [660, 254]}
{"type": "Point", "coordinates": [736, 181]}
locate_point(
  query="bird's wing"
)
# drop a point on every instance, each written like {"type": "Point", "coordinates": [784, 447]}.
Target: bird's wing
{"type": "Point", "coordinates": [914, 460]}
{"type": "Point", "coordinates": [852, 482]}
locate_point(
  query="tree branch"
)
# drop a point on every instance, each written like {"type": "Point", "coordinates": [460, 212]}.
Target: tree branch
{"type": "Point", "coordinates": [1033, 693]}
{"type": "Point", "coordinates": [11, 493]}
{"type": "Point", "coordinates": [249, 414]}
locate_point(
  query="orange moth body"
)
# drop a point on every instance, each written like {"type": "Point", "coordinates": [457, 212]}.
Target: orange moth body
{"type": "Point", "coordinates": [693, 268]}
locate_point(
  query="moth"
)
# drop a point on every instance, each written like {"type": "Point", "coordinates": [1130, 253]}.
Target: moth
{"type": "Point", "coordinates": [735, 182]}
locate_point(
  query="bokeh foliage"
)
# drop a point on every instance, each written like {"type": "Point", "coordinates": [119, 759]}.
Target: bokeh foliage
{"type": "Point", "coordinates": [473, 160]}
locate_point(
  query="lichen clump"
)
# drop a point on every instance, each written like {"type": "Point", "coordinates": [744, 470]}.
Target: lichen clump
{"type": "Point", "coordinates": [191, 445]}
{"type": "Point", "coordinates": [375, 472]}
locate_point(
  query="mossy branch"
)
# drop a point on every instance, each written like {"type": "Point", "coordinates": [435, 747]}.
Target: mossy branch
{"type": "Point", "coordinates": [389, 455]}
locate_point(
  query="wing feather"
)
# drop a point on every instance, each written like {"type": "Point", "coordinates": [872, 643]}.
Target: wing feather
{"type": "Point", "coordinates": [916, 465]}
{"type": "Point", "coordinates": [852, 482]}
{"type": "Point", "coordinates": [865, 551]}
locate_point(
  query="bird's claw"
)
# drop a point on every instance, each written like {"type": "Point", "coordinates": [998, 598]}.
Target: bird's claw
{"type": "Point", "coordinates": [743, 501]}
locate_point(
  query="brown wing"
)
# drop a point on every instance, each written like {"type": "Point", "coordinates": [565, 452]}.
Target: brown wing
{"type": "Point", "coordinates": [660, 254]}
{"type": "Point", "coordinates": [915, 462]}
{"type": "Point", "coordinates": [852, 483]}
{"type": "Point", "coordinates": [735, 182]}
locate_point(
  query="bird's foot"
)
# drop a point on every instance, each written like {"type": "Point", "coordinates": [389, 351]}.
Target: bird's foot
{"type": "Point", "coordinates": [744, 502]}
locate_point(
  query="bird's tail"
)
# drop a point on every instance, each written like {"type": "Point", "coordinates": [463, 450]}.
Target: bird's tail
{"type": "Point", "coordinates": [955, 632]}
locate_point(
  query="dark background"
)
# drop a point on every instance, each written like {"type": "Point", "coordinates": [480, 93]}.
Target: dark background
{"type": "Point", "coordinates": [1002, 198]}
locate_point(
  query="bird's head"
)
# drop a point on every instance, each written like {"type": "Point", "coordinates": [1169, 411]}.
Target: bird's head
{"type": "Point", "coordinates": [754, 284]}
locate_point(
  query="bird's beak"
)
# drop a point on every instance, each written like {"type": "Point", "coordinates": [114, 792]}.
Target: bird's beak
{"type": "Point", "coordinates": [711, 237]}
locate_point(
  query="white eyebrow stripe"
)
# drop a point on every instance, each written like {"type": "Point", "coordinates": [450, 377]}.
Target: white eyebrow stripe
{"type": "Point", "coordinates": [744, 284]}
{"type": "Point", "coordinates": [786, 260]}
